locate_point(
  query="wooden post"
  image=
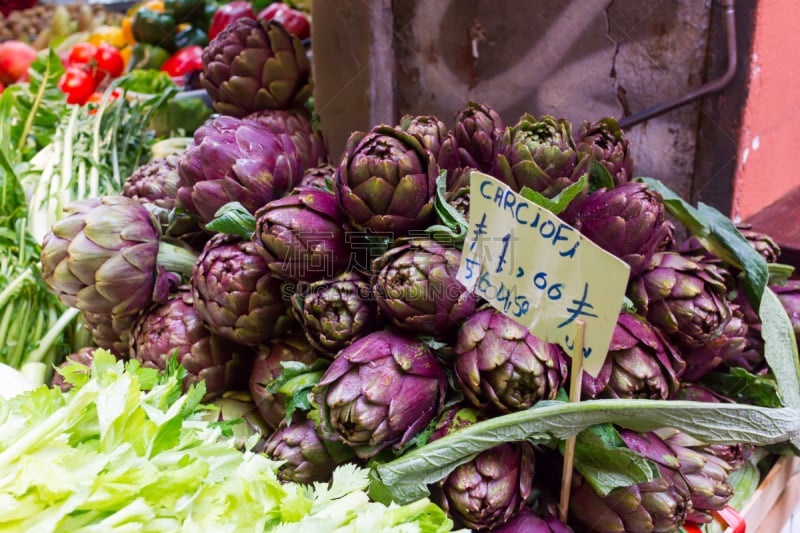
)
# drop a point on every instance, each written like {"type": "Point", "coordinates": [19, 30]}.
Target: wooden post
{"type": "Point", "coordinates": [576, 373]}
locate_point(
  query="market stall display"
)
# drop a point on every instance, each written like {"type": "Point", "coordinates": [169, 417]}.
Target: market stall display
{"type": "Point", "coordinates": [319, 308]}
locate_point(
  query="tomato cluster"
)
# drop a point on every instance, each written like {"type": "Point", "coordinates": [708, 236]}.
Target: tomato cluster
{"type": "Point", "coordinates": [88, 66]}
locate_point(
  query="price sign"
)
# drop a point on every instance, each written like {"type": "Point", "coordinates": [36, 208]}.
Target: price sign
{"type": "Point", "coordinates": [540, 271]}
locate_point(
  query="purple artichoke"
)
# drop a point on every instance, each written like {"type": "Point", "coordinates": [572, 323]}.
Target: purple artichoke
{"type": "Point", "coordinates": [335, 312]}
{"type": "Point", "coordinates": [306, 235]}
{"type": "Point", "coordinates": [527, 522]}
{"type": "Point", "coordinates": [477, 132]}
{"type": "Point", "coordinates": [416, 288]}
{"type": "Point", "coordinates": [175, 328]}
{"type": "Point", "coordinates": [627, 221]}
{"type": "Point", "coordinates": [499, 362]}
{"type": "Point", "coordinates": [253, 65]}
{"type": "Point", "coordinates": [380, 391]}
{"type": "Point", "coordinates": [111, 332]}
{"type": "Point", "coordinates": [236, 294]}
{"type": "Point", "coordinates": [234, 159]}
{"type": "Point", "coordinates": [304, 455]}
{"type": "Point", "coordinates": [789, 295]}
{"type": "Point", "coordinates": [296, 126]}
{"type": "Point", "coordinates": [460, 199]}
{"type": "Point", "coordinates": [640, 364]}
{"type": "Point", "coordinates": [683, 296]}
{"type": "Point", "coordinates": [82, 357]}
{"type": "Point", "coordinates": [434, 136]}
{"type": "Point", "coordinates": [761, 242]}
{"type": "Point", "coordinates": [320, 177]}
{"type": "Point", "coordinates": [606, 144]}
{"type": "Point", "coordinates": [267, 367]}
{"type": "Point", "coordinates": [729, 346]}
{"type": "Point", "coordinates": [386, 181]}
{"type": "Point", "coordinates": [539, 154]}
{"type": "Point", "coordinates": [155, 182]}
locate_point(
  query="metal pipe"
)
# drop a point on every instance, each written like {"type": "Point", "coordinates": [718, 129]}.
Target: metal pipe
{"type": "Point", "coordinates": [729, 27]}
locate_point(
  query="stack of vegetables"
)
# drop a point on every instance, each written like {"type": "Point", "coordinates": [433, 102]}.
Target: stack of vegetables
{"type": "Point", "coordinates": [323, 299]}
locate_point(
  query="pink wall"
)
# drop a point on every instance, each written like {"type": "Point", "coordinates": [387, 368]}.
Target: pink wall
{"type": "Point", "coordinates": [769, 144]}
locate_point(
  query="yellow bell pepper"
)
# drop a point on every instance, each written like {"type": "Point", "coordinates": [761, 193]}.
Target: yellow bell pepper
{"type": "Point", "coordinates": [108, 34]}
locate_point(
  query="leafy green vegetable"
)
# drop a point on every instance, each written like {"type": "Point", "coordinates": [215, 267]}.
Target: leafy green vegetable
{"type": "Point", "coordinates": [453, 228]}
{"type": "Point", "coordinates": [559, 202]}
{"type": "Point", "coordinates": [107, 456]}
{"type": "Point", "coordinates": [741, 386]}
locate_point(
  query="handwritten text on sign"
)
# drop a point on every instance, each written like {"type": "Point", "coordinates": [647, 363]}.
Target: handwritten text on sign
{"type": "Point", "coordinates": [540, 271]}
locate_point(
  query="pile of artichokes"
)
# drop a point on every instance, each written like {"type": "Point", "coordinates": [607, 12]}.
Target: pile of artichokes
{"type": "Point", "coordinates": [326, 303]}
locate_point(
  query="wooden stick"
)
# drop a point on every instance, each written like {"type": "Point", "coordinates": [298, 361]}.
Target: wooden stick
{"type": "Point", "coordinates": [576, 374]}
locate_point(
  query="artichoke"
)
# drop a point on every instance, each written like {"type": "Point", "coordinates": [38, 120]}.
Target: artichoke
{"type": "Point", "coordinates": [606, 144]}
{"type": "Point", "coordinates": [434, 136]}
{"type": "Point", "coordinates": [640, 364]}
{"type": "Point", "coordinates": [236, 409]}
{"type": "Point", "coordinates": [627, 221]}
{"type": "Point", "coordinates": [539, 154]}
{"type": "Point", "coordinates": [789, 295]}
{"type": "Point", "coordinates": [267, 367]}
{"type": "Point", "coordinates": [527, 522]}
{"type": "Point", "coordinates": [459, 199]}
{"type": "Point", "coordinates": [320, 177]}
{"type": "Point", "coordinates": [303, 453]}
{"type": "Point", "coordinates": [499, 362]}
{"type": "Point", "coordinates": [104, 257]}
{"type": "Point", "coordinates": [729, 346]}
{"type": "Point", "coordinates": [83, 357]}
{"type": "Point", "coordinates": [155, 182]}
{"type": "Point", "coordinates": [477, 131]}
{"type": "Point", "coordinates": [683, 296]}
{"type": "Point", "coordinates": [305, 233]}
{"type": "Point", "coordinates": [486, 491]}
{"type": "Point", "coordinates": [253, 65]}
{"type": "Point", "coordinates": [335, 312]}
{"type": "Point", "coordinates": [416, 288]}
{"type": "Point", "coordinates": [234, 159]}
{"type": "Point", "coordinates": [176, 328]}
{"type": "Point", "coordinates": [236, 294]}
{"type": "Point", "coordinates": [296, 125]}
{"type": "Point", "coordinates": [761, 242]}
{"type": "Point", "coordinates": [386, 182]}
{"type": "Point", "coordinates": [380, 391]}
{"type": "Point", "coordinates": [111, 332]}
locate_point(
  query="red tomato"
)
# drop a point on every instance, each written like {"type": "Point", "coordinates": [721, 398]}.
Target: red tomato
{"type": "Point", "coordinates": [227, 14]}
{"type": "Point", "coordinates": [81, 54]}
{"type": "Point", "coordinates": [77, 84]}
{"type": "Point", "coordinates": [184, 61]}
{"type": "Point", "coordinates": [108, 62]}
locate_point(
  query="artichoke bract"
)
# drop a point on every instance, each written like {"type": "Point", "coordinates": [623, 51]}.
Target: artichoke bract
{"type": "Point", "coordinates": [236, 294]}
{"type": "Point", "coordinates": [239, 160]}
{"type": "Point", "coordinates": [500, 363]}
{"type": "Point", "coordinates": [305, 233]}
{"type": "Point", "coordinates": [606, 144]}
{"type": "Point", "coordinates": [335, 312]}
{"type": "Point", "coordinates": [296, 126]}
{"type": "Point", "coordinates": [103, 257]}
{"type": "Point", "coordinates": [253, 65]}
{"type": "Point", "coordinates": [627, 221]}
{"type": "Point", "coordinates": [320, 177]}
{"type": "Point", "coordinates": [175, 328]}
{"type": "Point", "coordinates": [640, 364]}
{"type": "Point", "coordinates": [416, 288]}
{"type": "Point", "coordinates": [380, 391]}
{"type": "Point", "coordinates": [299, 446]}
{"type": "Point", "coordinates": [386, 182]}
{"type": "Point", "coordinates": [683, 296]}
{"type": "Point", "coordinates": [267, 367]}
{"type": "Point", "coordinates": [539, 154]}
{"type": "Point", "coordinates": [477, 130]}
{"type": "Point", "coordinates": [434, 135]}
{"type": "Point", "coordinates": [486, 491]}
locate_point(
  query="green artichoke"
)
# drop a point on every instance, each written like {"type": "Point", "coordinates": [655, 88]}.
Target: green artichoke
{"type": "Point", "coordinates": [175, 328]}
{"type": "Point", "coordinates": [606, 144]}
{"type": "Point", "coordinates": [253, 65]}
{"type": "Point", "coordinates": [683, 296]}
{"type": "Point", "coordinates": [478, 129]}
{"type": "Point", "coordinates": [296, 125]}
{"type": "Point", "coordinates": [335, 312]}
{"type": "Point", "coordinates": [416, 288]}
{"type": "Point", "coordinates": [380, 391]}
{"type": "Point", "coordinates": [539, 154]}
{"type": "Point", "coordinates": [640, 364]}
{"type": "Point", "coordinates": [267, 367]}
{"type": "Point", "coordinates": [232, 159]}
{"type": "Point", "coordinates": [304, 455]}
{"type": "Point", "coordinates": [306, 234]}
{"type": "Point", "coordinates": [236, 294]}
{"type": "Point", "coordinates": [500, 363]}
{"type": "Point", "coordinates": [386, 182]}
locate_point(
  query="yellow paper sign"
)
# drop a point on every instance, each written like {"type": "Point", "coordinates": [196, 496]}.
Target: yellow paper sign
{"type": "Point", "coordinates": [540, 271]}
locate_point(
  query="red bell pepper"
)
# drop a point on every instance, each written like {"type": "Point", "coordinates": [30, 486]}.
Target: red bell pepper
{"type": "Point", "coordinates": [184, 61]}
{"type": "Point", "coordinates": [293, 20]}
{"type": "Point", "coordinates": [227, 14]}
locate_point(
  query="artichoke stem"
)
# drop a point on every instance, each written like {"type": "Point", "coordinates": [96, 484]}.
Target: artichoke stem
{"type": "Point", "coordinates": [175, 258]}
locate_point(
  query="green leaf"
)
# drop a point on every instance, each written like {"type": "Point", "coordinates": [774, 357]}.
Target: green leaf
{"type": "Point", "coordinates": [606, 463]}
{"type": "Point", "coordinates": [600, 177]}
{"type": "Point", "coordinates": [408, 477]}
{"type": "Point", "coordinates": [234, 219]}
{"type": "Point", "coordinates": [780, 348]}
{"type": "Point", "coordinates": [295, 383]}
{"type": "Point", "coordinates": [779, 273]}
{"type": "Point", "coordinates": [741, 386]}
{"type": "Point", "coordinates": [559, 202]}
{"type": "Point", "coordinates": [42, 105]}
{"type": "Point", "coordinates": [454, 226]}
